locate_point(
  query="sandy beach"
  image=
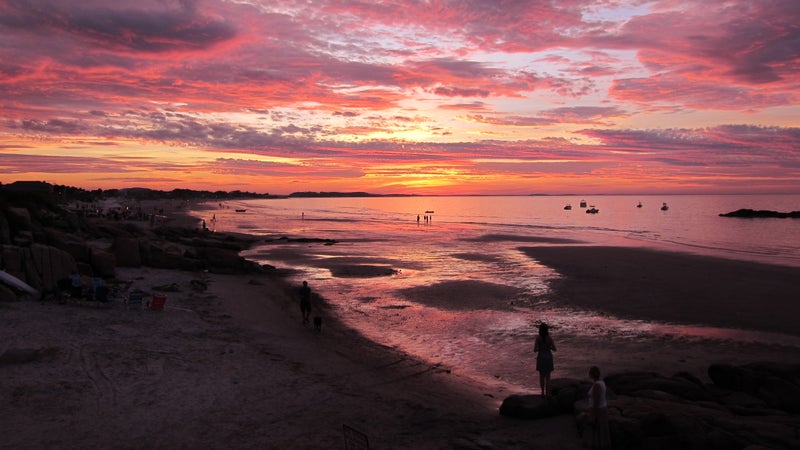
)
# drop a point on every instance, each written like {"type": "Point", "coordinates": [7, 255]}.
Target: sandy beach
{"type": "Point", "coordinates": [228, 363]}
{"type": "Point", "coordinates": [231, 367]}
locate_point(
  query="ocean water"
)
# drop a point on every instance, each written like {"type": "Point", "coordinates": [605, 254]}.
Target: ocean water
{"type": "Point", "coordinates": [401, 282]}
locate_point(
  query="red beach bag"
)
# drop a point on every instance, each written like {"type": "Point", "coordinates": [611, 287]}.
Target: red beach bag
{"type": "Point", "coordinates": [157, 304]}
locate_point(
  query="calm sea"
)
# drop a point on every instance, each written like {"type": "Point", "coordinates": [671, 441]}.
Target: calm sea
{"type": "Point", "coordinates": [382, 253]}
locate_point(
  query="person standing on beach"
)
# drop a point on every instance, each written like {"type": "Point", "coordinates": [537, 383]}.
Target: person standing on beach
{"type": "Point", "coordinates": [305, 301]}
{"type": "Point", "coordinates": [544, 348]}
{"type": "Point", "coordinates": [598, 411]}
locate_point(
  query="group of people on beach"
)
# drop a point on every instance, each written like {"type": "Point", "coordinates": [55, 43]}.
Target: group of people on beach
{"type": "Point", "coordinates": [427, 218]}
{"type": "Point", "coordinates": [596, 416]}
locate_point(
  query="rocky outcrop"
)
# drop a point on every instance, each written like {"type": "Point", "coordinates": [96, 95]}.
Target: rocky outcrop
{"type": "Point", "coordinates": [750, 406]}
{"type": "Point", "coordinates": [127, 252]}
{"type": "Point", "coordinates": [564, 394]}
{"type": "Point", "coordinates": [776, 385]}
{"type": "Point", "coordinates": [168, 255]}
{"type": "Point", "coordinates": [753, 213]}
{"type": "Point", "coordinates": [22, 228]}
{"type": "Point", "coordinates": [52, 264]}
{"type": "Point", "coordinates": [103, 263]}
{"type": "Point", "coordinates": [40, 266]}
{"type": "Point", "coordinates": [43, 247]}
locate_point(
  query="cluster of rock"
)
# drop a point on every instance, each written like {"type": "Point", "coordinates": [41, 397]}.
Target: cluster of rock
{"type": "Point", "coordinates": [759, 213]}
{"type": "Point", "coordinates": [42, 245]}
{"type": "Point", "coordinates": [753, 406]}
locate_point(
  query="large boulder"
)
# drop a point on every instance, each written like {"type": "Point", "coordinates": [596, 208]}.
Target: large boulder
{"type": "Point", "coordinates": [78, 248]}
{"type": "Point", "coordinates": [126, 251]}
{"type": "Point", "coordinates": [50, 264]}
{"type": "Point", "coordinates": [569, 391]}
{"type": "Point", "coordinates": [85, 269]}
{"type": "Point", "coordinates": [529, 406]}
{"type": "Point", "coordinates": [564, 394]}
{"type": "Point", "coordinates": [19, 218]}
{"type": "Point", "coordinates": [32, 274]}
{"type": "Point", "coordinates": [776, 384]}
{"type": "Point", "coordinates": [629, 383]}
{"type": "Point", "coordinates": [747, 407]}
{"type": "Point", "coordinates": [168, 255]}
{"type": "Point", "coordinates": [5, 230]}
{"type": "Point", "coordinates": [13, 260]}
{"type": "Point", "coordinates": [221, 260]}
{"type": "Point", "coordinates": [103, 263]}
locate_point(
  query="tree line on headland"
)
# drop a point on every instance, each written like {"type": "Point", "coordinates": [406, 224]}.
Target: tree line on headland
{"type": "Point", "coordinates": [45, 192]}
{"type": "Point", "coordinates": [41, 191]}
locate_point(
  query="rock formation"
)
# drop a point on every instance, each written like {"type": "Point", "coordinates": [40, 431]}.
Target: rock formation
{"type": "Point", "coordinates": [752, 213]}
{"type": "Point", "coordinates": [744, 407]}
{"type": "Point", "coordinates": [42, 244]}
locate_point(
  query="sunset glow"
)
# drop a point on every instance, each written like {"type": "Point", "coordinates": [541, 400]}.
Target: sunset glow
{"type": "Point", "coordinates": [403, 96]}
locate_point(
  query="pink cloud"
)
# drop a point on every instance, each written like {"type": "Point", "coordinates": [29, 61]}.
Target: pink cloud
{"type": "Point", "coordinates": [573, 115]}
{"type": "Point", "coordinates": [138, 26]}
{"type": "Point", "coordinates": [470, 106]}
{"type": "Point", "coordinates": [733, 145]}
{"type": "Point", "coordinates": [306, 73]}
{"type": "Point", "coordinates": [700, 94]}
{"type": "Point", "coordinates": [15, 164]}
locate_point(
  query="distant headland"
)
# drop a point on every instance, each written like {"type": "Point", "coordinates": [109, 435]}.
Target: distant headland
{"type": "Point", "coordinates": [61, 192]}
{"type": "Point", "coordinates": [344, 194]}
{"type": "Point", "coordinates": [752, 213]}
{"type": "Point", "coordinates": [44, 188]}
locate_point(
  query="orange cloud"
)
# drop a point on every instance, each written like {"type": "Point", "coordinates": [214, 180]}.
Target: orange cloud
{"type": "Point", "coordinates": [675, 95]}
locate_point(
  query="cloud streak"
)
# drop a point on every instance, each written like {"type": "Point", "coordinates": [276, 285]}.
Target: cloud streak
{"type": "Point", "coordinates": [471, 97]}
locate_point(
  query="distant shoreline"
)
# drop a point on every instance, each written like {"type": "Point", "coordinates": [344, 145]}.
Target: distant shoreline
{"type": "Point", "coordinates": [142, 192]}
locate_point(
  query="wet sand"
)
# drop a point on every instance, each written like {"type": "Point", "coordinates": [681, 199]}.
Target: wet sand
{"type": "Point", "coordinates": [673, 287]}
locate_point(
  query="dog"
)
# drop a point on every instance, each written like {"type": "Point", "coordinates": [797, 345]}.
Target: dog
{"type": "Point", "coordinates": [317, 323]}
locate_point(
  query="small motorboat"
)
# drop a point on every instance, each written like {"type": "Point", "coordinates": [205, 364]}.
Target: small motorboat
{"type": "Point", "coordinates": [639, 205]}
{"type": "Point", "coordinates": [241, 210]}
{"type": "Point", "coordinates": [664, 206]}
{"type": "Point", "coordinates": [568, 207]}
{"type": "Point", "coordinates": [592, 210]}
{"type": "Point", "coordinates": [583, 203]}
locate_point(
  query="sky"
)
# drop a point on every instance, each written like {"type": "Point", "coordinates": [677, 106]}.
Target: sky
{"type": "Point", "coordinates": [403, 96]}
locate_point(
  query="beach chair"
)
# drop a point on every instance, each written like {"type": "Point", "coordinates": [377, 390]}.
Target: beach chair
{"type": "Point", "coordinates": [98, 291]}
{"type": "Point", "coordinates": [134, 300]}
{"type": "Point", "coordinates": [76, 286]}
{"type": "Point", "coordinates": [101, 294]}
